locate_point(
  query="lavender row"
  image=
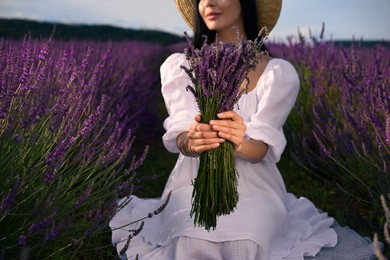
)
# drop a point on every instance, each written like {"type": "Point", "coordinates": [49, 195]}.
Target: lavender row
{"type": "Point", "coordinates": [340, 126]}
{"type": "Point", "coordinates": [69, 112]}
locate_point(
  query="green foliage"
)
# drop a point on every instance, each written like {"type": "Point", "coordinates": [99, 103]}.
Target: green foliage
{"type": "Point", "coordinates": [17, 29]}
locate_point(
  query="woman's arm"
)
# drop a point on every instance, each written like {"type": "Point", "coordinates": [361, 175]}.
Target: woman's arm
{"type": "Point", "coordinates": [183, 143]}
{"type": "Point", "coordinates": [252, 150]}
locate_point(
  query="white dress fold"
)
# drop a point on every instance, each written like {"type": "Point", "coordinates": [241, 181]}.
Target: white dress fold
{"type": "Point", "coordinates": [270, 222]}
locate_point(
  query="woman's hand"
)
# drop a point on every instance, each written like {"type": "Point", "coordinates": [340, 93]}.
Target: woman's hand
{"type": "Point", "coordinates": [232, 130]}
{"type": "Point", "coordinates": [202, 137]}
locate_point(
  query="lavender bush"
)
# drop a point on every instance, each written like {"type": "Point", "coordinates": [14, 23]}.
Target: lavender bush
{"type": "Point", "coordinates": [67, 117]}
{"type": "Point", "coordinates": [340, 126]}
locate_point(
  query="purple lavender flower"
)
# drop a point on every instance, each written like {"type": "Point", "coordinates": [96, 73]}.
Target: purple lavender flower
{"type": "Point", "coordinates": [93, 118]}
{"type": "Point", "coordinates": [48, 177]}
{"type": "Point", "coordinates": [133, 233]}
{"type": "Point", "coordinates": [218, 69]}
{"type": "Point", "coordinates": [9, 200]}
{"type": "Point", "coordinates": [26, 57]}
{"type": "Point", "coordinates": [126, 189]}
{"type": "Point", "coordinates": [83, 197]}
{"type": "Point", "coordinates": [50, 235]}
{"type": "Point", "coordinates": [55, 157]}
{"type": "Point", "coordinates": [137, 163]}
{"type": "Point", "coordinates": [324, 150]}
{"type": "Point", "coordinates": [22, 239]}
{"type": "Point", "coordinates": [388, 129]}
{"type": "Point", "coordinates": [45, 50]}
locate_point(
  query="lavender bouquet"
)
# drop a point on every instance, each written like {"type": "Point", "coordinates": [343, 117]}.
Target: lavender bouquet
{"type": "Point", "coordinates": [217, 71]}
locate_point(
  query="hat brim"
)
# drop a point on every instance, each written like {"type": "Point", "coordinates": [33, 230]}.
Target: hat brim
{"type": "Point", "coordinates": [268, 12]}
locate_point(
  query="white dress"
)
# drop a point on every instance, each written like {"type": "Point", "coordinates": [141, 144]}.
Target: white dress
{"type": "Point", "coordinates": [268, 222]}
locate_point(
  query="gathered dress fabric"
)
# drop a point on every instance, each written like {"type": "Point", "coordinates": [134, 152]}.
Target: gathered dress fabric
{"type": "Point", "coordinates": [268, 222]}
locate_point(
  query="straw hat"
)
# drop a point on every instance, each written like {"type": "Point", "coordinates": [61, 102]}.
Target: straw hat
{"type": "Point", "coordinates": [268, 12]}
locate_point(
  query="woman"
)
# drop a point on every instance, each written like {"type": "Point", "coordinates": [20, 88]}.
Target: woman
{"type": "Point", "coordinates": [268, 222]}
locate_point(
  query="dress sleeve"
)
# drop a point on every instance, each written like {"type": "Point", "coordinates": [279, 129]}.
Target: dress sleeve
{"type": "Point", "coordinates": [277, 93]}
{"type": "Point", "coordinates": [180, 103]}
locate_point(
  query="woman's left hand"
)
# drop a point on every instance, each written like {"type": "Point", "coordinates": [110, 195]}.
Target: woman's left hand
{"type": "Point", "coordinates": [232, 130]}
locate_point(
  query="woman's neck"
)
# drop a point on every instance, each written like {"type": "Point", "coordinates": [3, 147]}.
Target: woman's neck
{"type": "Point", "coordinates": [230, 34]}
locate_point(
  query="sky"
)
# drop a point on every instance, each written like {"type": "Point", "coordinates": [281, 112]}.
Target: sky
{"type": "Point", "coordinates": [343, 19]}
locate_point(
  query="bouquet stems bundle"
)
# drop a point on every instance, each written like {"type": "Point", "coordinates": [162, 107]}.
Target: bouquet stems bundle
{"type": "Point", "coordinates": [217, 71]}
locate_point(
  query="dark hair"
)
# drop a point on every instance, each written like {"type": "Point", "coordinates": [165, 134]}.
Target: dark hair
{"type": "Point", "coordinates": [248, 8]}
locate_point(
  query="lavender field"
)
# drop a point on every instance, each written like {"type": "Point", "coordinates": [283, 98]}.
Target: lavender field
{"type": "Point", "coordinates": [81, 125]}
{"type": "Point", "coordinates": [339, 130]}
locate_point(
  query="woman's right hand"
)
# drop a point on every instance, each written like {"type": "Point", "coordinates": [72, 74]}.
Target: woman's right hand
{"type": "Point", "coordinates": [202, 137]}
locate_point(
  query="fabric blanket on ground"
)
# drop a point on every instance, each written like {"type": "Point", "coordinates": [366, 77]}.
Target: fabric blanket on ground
{"type": "Point", "coordinates": [350, 246]}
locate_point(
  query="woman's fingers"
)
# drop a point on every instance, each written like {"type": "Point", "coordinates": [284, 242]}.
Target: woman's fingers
{"type": "Point", "coordinates": [200, 149]}
{"type": "Point", "coordinates": [234, 126]}
{"type": "Point", "coordinates": [227, 125]}
{"type": "Point", "coordinates": [230, 115]}
{"type": "Point", "coordinates": [235, 139]}
{"type": "Point", "coordinates": [205, 137]}
{"type": "Point", "coordinates": [201, 131]}
{"type": "Point", "coordinates": [202, 138]}
{"type": "Point", "coordinates": [197, 118]}
{"type": "Point", "coordinates": [232, 130]}
{"type": "Point", "coordinates": [200, 145]}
